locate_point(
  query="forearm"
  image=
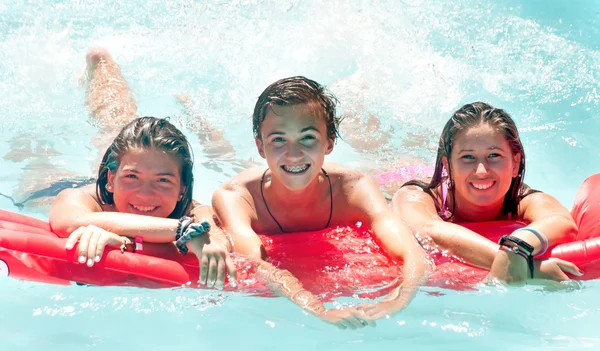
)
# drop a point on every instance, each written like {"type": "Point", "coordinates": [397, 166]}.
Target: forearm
{"type": "Point", "coordinates": [416, 270]}
{"type": "Point", "coordinates": [558, 229]}
{"type": "Point", "coordinates": [152, 229]}
{"type": "Point", "coordinates": [397, 240]}
{"type": "Point", "coordinates": [283, 283]}
{"type": "Point", "coordinates": [458, 241]}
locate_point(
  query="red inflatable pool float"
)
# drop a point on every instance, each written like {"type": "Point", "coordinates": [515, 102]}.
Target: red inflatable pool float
{"type": "Point", "coordinates": [332, 262]}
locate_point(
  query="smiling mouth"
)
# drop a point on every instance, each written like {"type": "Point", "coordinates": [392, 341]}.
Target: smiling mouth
{"type": "Point", "coordinates": [144, 208]}
{"type": "Point", "coordinates": [298, 169]}
{"type": "Point", "coordinates": [483, 185]}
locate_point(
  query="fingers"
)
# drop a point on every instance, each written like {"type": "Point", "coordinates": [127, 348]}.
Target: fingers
{"type": "Point", "coordinates": [569, 267]}
{"type": "Point", "coordinates": [370, 313]}
{"type": "Point", "coordinates": [352, 323]}
{"type": "Point", "coordinates": [91, 249]}
{"type": "Point", "coordinates": [345, 319]}
{"type": "Point", "coordinates": [74, 237]}
{"type": "Point", "coordinates": [203, 269]}
{"type": "Point", "coordinates": [231, 270]}
{"type": "Point", "coordinates": [212, 272]}
{"type": "Point", "coordinates": [92, 241]}
{"type": "Point", "coordinates": [215, 265]}
{"type": "Point", "coordinates": [349, 323]}
{"type": "Point", "coordinates": [84, 242]}
{"type": "Point", "coordinates": [107, 239]}
{"type": "Point", "coordinates": [220, 274]}
{"type": "Point", "coordinates": [365, 320]}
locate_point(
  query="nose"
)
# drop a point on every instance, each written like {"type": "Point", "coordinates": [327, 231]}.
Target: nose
{"type": "Point", "coordinates": [294, 151]}
{"type": "Point", "coordinates": [481, 170]}
{"type": "Point", "coordinates": [146, 190]}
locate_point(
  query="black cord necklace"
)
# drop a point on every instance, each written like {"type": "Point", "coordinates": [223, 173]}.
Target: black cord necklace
{"type": "Point", "coordinates": [262, 180]}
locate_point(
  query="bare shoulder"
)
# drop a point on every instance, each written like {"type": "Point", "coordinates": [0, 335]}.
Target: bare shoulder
{"type": "Point", "coordinates": [245, 180]}
{"type": "Point", "coordinates": [538, 203]}
{"type": "Point", "coordinates": [411, 193]}
{"type": "Point", "coordinates": [243, 187]}
{"type": "Point", "coordinates": [357, 190]}
{"type": "Point", "coordinates": [70, 204]}
{"type": "Point", "coordinates": [85, 195]}
{"type": "Point", "coordinates": [347, 177]}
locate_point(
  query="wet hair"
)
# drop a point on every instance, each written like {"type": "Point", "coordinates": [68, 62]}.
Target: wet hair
{"type": "Point", "coordinates": [469, 116]}
{"type": "Point", "coordinates": [150, 133]}
{"type": "Point", "coordinates": [293, 91]}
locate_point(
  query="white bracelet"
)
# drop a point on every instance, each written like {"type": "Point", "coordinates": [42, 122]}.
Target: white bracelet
{"type": "Point", "coordinates": [541, 237]}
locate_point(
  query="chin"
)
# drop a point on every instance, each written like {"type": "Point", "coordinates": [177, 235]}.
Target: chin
{"type": "Point", "coordinates": [296, 186]}
{"type": "Point", "coordinates": [486, 202]}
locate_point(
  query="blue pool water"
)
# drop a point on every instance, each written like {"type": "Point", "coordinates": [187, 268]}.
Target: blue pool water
{"type": "Point", "coordinates": [410, 63]}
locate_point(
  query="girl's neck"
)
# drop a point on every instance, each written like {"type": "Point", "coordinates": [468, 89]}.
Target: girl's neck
{"type": "Point", "coordinates": [468, 212]}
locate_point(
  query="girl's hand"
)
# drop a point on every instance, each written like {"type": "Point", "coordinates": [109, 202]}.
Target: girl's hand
{"type": "Point", "coordinates": [509, 268]}
{"type": "Point", "coordinates": [92, 241]}
{"type": "Point", "coordinates": [554, 269]}
{"type": "Point", "coordinates": [215, 262]}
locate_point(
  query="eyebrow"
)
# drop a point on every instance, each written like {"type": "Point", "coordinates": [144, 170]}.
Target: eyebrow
{"type": "Point", "coordinates": [305, 129]}
{"type": "Point", "coordinates": [489, 148]}
{"type": "Point", "coordinates": [132, 170]}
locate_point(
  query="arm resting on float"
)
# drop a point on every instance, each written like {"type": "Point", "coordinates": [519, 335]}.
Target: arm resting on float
{"type": "Point", "coordinates": [394, 237]}
{"type": "Point", "coordinates": [548, 217]}
{"type": "Point", "coordinates": [75, 208]}
{"type": "Point", "coordinates": [233, 210]}
{"type": "Point", "coordinates": [417, 209]}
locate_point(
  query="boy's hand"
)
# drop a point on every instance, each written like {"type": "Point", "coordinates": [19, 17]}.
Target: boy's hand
{"type": "Point", "coordinates": [382, 309]}
{"type": "Point", "coordinates": [347, 318]}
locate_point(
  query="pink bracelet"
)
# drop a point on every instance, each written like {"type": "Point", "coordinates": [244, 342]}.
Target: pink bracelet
{"type": "Point", "coordinates": [138, 244]}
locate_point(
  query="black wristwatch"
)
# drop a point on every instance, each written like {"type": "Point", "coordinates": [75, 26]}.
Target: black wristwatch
{"type": "Point", "coordinates": [519, 247]}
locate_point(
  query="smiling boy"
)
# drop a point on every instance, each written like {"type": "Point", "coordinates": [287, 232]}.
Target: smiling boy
{"type": "Point", "coordinates": [295, 127]}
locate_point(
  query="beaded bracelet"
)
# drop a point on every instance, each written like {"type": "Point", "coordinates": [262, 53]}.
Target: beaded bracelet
{"type": "Point", "coordinates": [188, 232]}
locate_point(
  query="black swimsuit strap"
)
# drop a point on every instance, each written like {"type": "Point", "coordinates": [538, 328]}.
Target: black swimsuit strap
{"type": "Point", "coordinates": [262, 180]}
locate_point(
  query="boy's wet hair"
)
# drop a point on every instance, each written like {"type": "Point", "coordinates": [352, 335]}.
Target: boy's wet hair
{"type": "Point", "coordinates": [150, 133]}
{"type": "Point", "coordinates": [293, 91]}
{"type": "Point", "coordinates": [470, 116]}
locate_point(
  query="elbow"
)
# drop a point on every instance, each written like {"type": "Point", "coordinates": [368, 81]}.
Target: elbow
{"type": "Point", "coordinates": [571, 232]}
{"type": "Point", "coordinates": [568, 232]}
{"type": "Point", "coordinates": [64, 227]}
{"type": "Point", "coordinates": [427, 235]}
{"type": "Point", "coordinates": [256, 254]}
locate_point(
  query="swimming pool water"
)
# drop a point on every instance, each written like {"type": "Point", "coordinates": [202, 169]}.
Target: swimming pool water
{"type": "Point", "coordinates": [410, 63]}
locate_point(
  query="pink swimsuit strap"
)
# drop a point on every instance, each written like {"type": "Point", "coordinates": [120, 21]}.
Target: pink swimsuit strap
{"type": "Point", "coordinates": [444, 211]}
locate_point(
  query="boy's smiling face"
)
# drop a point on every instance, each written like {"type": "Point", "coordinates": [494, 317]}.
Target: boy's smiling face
{"type": "Point", "coordinates": [293, 139]}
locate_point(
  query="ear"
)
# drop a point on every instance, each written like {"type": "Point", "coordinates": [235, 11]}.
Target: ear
{"type": "Point", "coordinates": [182, 192]}
{"type": "Point", "coordinates": [260, 147]}
{"type": "Point", "coordinates": [110, 181]}
{"type": "Point", "coordinates": [445, 163]}
{"type": "Point", "coordinates": [330, 144]}
{"type": "Point", "coordinates": [516, 165]}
